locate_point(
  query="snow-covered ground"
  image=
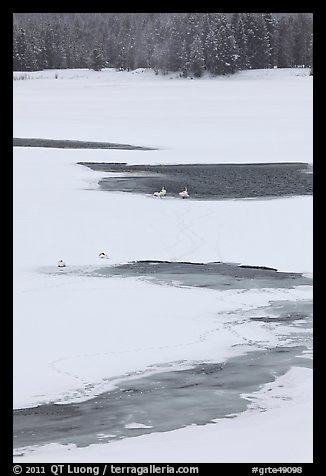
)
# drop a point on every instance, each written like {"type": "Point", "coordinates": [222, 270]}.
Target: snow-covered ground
{"type": "Point", "coordinates": [252, 116]}
{"type": "Point", "coordinates": [74, 335]}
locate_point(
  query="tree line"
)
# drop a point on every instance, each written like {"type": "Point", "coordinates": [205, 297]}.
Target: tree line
{"type": "Point", "coordinates": [189, 43]}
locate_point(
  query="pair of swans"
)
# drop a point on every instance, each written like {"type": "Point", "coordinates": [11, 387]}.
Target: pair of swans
{"type": "Point", "coordinates": [62, 264]}
{"type": "Point", "coordinates": [162, 193]}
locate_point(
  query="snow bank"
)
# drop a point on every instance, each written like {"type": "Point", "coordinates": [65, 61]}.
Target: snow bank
{"type": "Point", "coordinates": [253, 116]}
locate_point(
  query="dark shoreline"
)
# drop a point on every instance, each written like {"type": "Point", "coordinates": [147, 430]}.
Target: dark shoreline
{"type": "Point", "coordinates": [73, 144]}
{"type": "Point", "coordinates": [213, 275]}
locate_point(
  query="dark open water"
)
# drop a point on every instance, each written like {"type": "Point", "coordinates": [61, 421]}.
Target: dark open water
{"type": "Point", "coordinates": [162, 402]}
{"type": "Point", "coordinates": [209, 181]}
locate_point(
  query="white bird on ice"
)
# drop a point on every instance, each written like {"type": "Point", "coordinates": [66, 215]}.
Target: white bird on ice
{"type": "Point", "coordinates": [184, 193]}
{"type": "Point", "coordinates": [161, 193]}
{"type": "Point", "coordinates": [103, 255]}
{"type": "Point", "coordinates": [61, 264]}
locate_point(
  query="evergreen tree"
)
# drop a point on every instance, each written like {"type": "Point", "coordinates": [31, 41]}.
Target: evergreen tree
{"type": "Point", "coordinates": [42, 59]}
{"type": "Point", "coordinates": [193, 27]}
{"type": "Point", "coordinates": [156, 40]}
{"type": "Point", "coordinates": [196, 58]}
{"type": "Point", "coordinates": [212, 52]}
{"type": "Point", "coordinates": [302, 49]}
{"type": "Point", "coordinates": [141, 44]}
{"type": "Point", "coordinates": [97, 60]}
{"type": "Point", "coordinates": [49, 46]}
{"type": "Point", "coordinates": [21, 50]}
{"type": "Point", "coordinates": [159, 58]}
{"type": "Point", "coordinates": [122, 58]}
{"type": "Point", "coordinates": [232, 63]}
{"type": "Point", "coordinates": [258, 46]}
{"type": "Point", "coordinates": [263, 49]}
{"type": "Point", "coordinates": [235, 21]}
{"type": "Point", "coordinates": [226, 57]}
{"type": "Point", "coordinates": [30, 58]}
{"type": "Point", "coordinates": [185, 65]}
{"type": "Point", "coordinates": [15, 52]}
{"type": "Point", "coordinates": [285, 43]}
{"type": "Point", "coordinates": [175, 43]}
{"type": "Point", "coordinates": [240, 36]}
{"type": "Point", "coordinates": [271, 27]}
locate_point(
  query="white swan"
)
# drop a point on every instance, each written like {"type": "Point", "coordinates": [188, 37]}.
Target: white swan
{"type": "Point", "coordinates": [184, 193]}
{"type": "Point", "coordinates": [61, 264]}
{"type": "Point", "coordinates": [103, 255]}
{"type": "Point", "coordinates": [161, 193]}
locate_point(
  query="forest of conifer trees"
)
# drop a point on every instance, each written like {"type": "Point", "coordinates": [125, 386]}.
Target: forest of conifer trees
{"type": "Point", "coordinates": [189, 43]}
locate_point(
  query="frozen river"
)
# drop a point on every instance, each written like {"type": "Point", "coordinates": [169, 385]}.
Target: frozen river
{"type": "Point", "coordinates": [160, 402]}
{"type": "Point", "coordinates": [167, 399]}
